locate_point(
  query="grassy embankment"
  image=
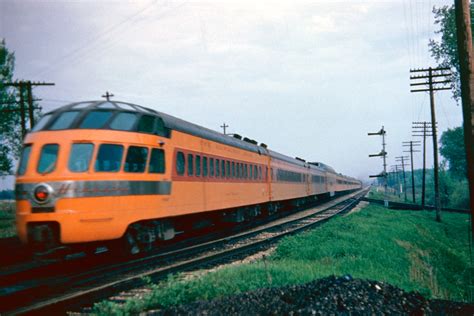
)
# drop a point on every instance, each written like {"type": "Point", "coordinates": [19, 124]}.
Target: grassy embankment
{"type": "Point", "coordinates": [7, 219]}
{"type": "Point", "coordinates": [405, 248]}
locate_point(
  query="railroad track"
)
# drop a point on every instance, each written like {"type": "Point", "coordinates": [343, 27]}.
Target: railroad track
{"type": "Point", "coordinates": [68, 292]}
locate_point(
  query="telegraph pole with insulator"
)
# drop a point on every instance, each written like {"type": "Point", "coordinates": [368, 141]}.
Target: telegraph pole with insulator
{"type": "Point", "coordinates": [22, 85]}
{"type": "Point", "coordinates": [432, 79]}
{"type": "Point", "coordinates": [382, 154]}
{"type": "Point", "coordinates": [412, 144]}
{"type": "Point", "coordinates": [402, 159]}
{"type": "Point", "coordinates": [422, 129]}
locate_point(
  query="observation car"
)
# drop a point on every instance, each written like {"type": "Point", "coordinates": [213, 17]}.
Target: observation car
{"type": "Point", "coordinates": [107, 170]}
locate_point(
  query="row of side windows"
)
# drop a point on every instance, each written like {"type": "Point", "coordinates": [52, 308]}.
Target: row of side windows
{"type": "Point", "coordinates": [108, 158]}
{"type": "Point", "coordinates": [199, 165]}
{"type": "Point", "coordinates": [317, 179]}
{"type": "Point", "coordinates": [289, 176]}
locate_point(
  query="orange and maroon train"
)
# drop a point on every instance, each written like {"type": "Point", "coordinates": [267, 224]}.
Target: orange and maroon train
{"type": "Point", "coordinates": [105, 170]}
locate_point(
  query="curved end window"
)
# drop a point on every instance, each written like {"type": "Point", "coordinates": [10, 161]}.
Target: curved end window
{"type": "Point", "coordinates": [64, 120]}
{"type": "Point", "coordinates": [80, 157]}
{"type": "Point", "coordinates": [25, 156]}
{"type": "Point", "coordinates": [48, 158]}
{"type": "Point", "coordinates": [136, 159]}
{"type": "Point", "coordinates": [157, 161]}
{"type": "Point", "coordinates": [180, 163]}
{"type": "Point", "coordinates": [96, 119]}
{"type": "Point", "coordinates": [146, 124]}
{"type": "Point", "coordinates": [42, 123]}
{"type": "Point", "coordinates": [124, 121]}
{"type": "Point", "coordinates": [109, 158]}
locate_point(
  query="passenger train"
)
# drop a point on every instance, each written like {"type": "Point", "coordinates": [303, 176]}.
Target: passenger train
{"type": "Point", "coordinates": [98, 171]}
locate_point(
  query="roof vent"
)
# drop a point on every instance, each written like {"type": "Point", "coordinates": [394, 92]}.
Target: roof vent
{"type": "Point", "coordinates": [263, 145]}
{"type": "Point", "coordinates": [237, 136]}
{"type": "Point", "coordinates": [300, 159]}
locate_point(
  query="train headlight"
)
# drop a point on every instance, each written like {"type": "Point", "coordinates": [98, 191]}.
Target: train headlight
{"type": "Point", "coordinates": [42, 193]}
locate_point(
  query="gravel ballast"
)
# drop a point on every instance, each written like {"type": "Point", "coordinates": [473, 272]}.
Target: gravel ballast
{"type": "Point", "coordinates": [331, 295]}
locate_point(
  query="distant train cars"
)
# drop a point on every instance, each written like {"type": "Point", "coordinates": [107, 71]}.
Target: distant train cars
{"type": "Point", "coordinates": [106, 170]}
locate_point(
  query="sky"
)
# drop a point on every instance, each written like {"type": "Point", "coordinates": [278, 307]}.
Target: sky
{"type": "Point", "coordinates": [308, 78]}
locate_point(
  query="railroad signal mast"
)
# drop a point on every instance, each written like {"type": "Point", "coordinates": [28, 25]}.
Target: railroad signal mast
{"type": "Point", "coordinates": [412, 144]}
{"type": "Point", "coordinates": [382, 154]}
{"type": "Point", "coordinates": [431, 80]}
{"type": "Point", "coordinates": [423, 129]}
{"type": "Point", "coordinates": [402, 159]}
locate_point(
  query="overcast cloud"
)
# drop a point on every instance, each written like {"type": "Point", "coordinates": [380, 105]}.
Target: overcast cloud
{"type": "Point", "coordinates": [308, 78]}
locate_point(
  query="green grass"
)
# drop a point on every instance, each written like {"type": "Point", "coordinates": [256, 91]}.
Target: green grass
{"type": "Point", "coordinates": [7, 219]}
{"type": "Point", "coordinates": [405, 248]}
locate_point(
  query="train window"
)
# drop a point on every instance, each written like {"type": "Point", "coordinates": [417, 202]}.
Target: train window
{"type": "Point", "coordinates": [211, 167]}
{"type": "Point", "coordinates": [233, 169]}
{"type": "Point", "coordinates": [260, 173]}
{"type": "Point", "coordinates": [25, 156]}
{"type": "Point", "coordinates": [250, 172]}
{"type": "Point", "coordinates": [109, 158]}
{"type": "Point", "coordinates": [245, 171]}
{"type": "Point", "coordinates": [161, 130]}
{"type": "Point", "coordinates": [255, 172]}
{"type": "Point", "coordinates": [42, 123]}
{"type": "Point", "coordinates": [146, 124]}
{"type": "Point", "coordinates": [80, 157]}
{"type": "Point", "coordinates": [198, 166]}
{"type": "Point", "coordinates": [64, 120]}
{"type": "Point", "coordinates": [48, 158]}
{"type": "Point", "coordinates": [218, 162]}
{"type": "Point", "coordinates": [241, 170]}
{"type": "Point", "coordinates": [125, 106]}
{"type": "Point", "coordinates": [223, 170]}
{"type": "Point", "coordinates": [106, 105]}
{"type": "Point", "coordinates": [157, 161]}
{"type": "Point", "coordinates": [190, 164]}
{"type": "Point", "coordinates": [96, 119]}
{"type": "Point", "coordinates": [180, 162]}
{"type": "Point", "coordinates": [204, 166]}
{"type": "Point", "coordinates": [124, 121]}
{"type": "Point", "coordinates": [227, 168]}
{"type": "Point", "coordinates": [136, 159]}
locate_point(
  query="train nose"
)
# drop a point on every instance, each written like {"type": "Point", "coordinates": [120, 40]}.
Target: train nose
{"type": "Point", "coordinates": [42, 193]}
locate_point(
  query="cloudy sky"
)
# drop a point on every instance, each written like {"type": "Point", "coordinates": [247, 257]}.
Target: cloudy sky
{"type": "Point", "coordinates": [308, 78]}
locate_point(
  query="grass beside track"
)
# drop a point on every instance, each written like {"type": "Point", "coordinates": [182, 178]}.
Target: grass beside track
{"type": "Point", "coordinates": [405, 248]}
{"type": "Point", "coordinates": [7, 219]}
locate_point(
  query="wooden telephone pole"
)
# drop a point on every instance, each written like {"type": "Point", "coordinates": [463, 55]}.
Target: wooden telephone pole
{"type": "Point", "coordinates": [433, 79]}
{"type": "Point", "coordinates": [22, 85]}
{"type": "Point", "coordinates": [422, 129]}
{"type": "Point", "coordinates": [402, 159]}
{"type": "Point", "coordinates": [411, 144]}
{"type": "Point", "coordinates": [466, 63]}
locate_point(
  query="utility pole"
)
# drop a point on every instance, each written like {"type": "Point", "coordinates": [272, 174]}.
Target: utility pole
{"type": "Point", "coordinates": [431, 86]}
{"type": "Point", "coordinates": [22, 85]}
{"type": "Point", "coordinates": [107, 95]}
{"type": "Point", "coordinates": [396, 180]}
{"type": "Point", "coordinates": [224, 126]}
{"type": "Point", "coordinates": [411, 151]}
{"type": "Point", "coordinates": [422, 129]}
{"type": "Point", "coordinates": [382, 154]}
{"type": "Point", "coordinates": [466, 63]}
{"type": "Point", "coordinates": [402, 160]}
